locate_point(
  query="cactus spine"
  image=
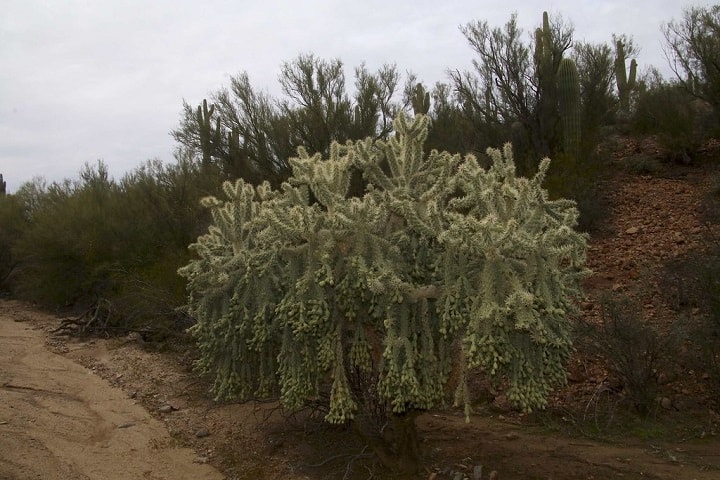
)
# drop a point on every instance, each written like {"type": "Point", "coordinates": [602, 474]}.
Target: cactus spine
{"type": "Point", "coordinates": [420, 100]}
{"type": "Point", "coordinates": [625, 81]}
{"type": "Point", "coordinates": [569, 104]}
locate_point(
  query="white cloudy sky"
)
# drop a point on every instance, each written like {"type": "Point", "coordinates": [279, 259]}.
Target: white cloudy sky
{"type": "Point", "coordinates": [82, 80]}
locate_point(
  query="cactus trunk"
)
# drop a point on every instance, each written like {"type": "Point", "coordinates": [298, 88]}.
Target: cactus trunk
{"type": "Point", "coordinates": [570, 108]}
{"type": "Point", "coordinates": [625, 81]}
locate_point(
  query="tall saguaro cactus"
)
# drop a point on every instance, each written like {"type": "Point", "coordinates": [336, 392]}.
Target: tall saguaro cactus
{"type": "Point", "coordinates": [3, 185]}
{"type": "Point", "coordinates": [568, 88]}
{"type": "Point", "coordinates": [559, 85]}
{"type": "Point", "coordinates": [625, 80]}
{"type": "Point", "coordinates": [420, 100]}
{"type": "Point", "coordinates": [545, 67]}
{"type": "Point", "coordinates": [208, 135]}
{"type": "Point", "coordinates": [543, 56]}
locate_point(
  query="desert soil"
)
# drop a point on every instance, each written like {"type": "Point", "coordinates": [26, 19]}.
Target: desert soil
{"type": "Point", "coordinates": [119, 409]}
{"type": "Point", "coordinates": [113, 409]}
{"type": "Point", "coordinates": [58, 420]}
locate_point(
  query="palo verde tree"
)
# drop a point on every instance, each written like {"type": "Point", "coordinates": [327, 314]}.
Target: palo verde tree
{"type": "Point", "coordinates": [249, 134]}
{"type": "Point", "coordinates": [692, 46]}
{"type": "Point", "coordinates": [515, 84]}
{"type": "Point", "coordinates": [441, 268]}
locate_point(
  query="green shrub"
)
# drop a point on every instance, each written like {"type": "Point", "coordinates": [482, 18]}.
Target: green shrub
{"type": "Point", "coordinates": [13, 221]}
{"type": "Point", "coordinates": [636, 353]}
{"type": "Point", "coordinates": [121, 243]}
{"type": "Point", "coordinates": [681, 122]}
{"type": "Point", "coordinates": [692, 286]}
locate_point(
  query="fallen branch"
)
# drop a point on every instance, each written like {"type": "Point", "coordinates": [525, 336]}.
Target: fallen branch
{"type": "Point", "coordinates": [95, 318]}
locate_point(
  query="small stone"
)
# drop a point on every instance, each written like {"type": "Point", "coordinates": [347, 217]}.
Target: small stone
{"type": "Point", "coordinates": [512, 436]}
{"type": "Point", "coordinates": [126, 425]}
{"type": "Point", "coordinates": [666, 403]}
{"type": "Point", "coordinates": [201, 433]}
{"type": "Point", "coordinates": [632, 230]}
{"type": "Point", "coordinates": [477, 472]}
{"type": "Point", "coordinates": [165, 409]}
{"type": "Point", "coordinates": [201, 459]}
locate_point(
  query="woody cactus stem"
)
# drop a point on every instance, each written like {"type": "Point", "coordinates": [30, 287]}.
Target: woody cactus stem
{"type": "Point", "coordinates": [3, 185]}
{"type": "Point", "coordinates": [625, 81]}
{"type": "Point", "coordinates": [420, 100]}
{"type": "Point", "coordinates": [204, 120]}
{"type": "Point", "coordinates": [568, 88]}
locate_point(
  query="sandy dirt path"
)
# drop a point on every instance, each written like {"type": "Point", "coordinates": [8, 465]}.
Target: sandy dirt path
{"type": "Point", "coordinates": [58, 420]}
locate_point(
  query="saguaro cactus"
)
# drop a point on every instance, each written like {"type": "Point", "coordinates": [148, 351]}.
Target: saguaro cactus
{"type": "Point", "coordinates": [545, 67]}
{"type": "Point", "coordinates": [420, 100]}
{"type": "Point", "coordinates": [544, 49]}
{"type": "Point", "coordinates": [625, 80]}
{"type": "Point", "coordinates": [569, 104]}
{"type": "Point", "coordinates": [205, 128]}
{"type": "Point", "coordinates": [3, 185]}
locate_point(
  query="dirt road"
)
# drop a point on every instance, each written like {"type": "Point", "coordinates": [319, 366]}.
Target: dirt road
{"type": "Point", "coordinates": [60, 421]}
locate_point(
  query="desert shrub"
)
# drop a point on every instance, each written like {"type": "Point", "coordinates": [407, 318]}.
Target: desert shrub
{"type": "Point", "coordinates": [643, 164]}
{"type": "Point", "coordinates": [13, 221]}
{"type": "Point", "coordinates": [65, 250]}
{"type": "Point", "coordinates": [636, 353]}
{"type": "Point", "coordinates": [120, 242]}
{"type": "Point", "coordinates": [681, 122]}
{"type": "Point", "coordinates": [692, 287]}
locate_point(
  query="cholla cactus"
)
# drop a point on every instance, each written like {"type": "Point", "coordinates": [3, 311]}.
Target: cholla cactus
{"type": "Point", "coordinates": [307, 285]}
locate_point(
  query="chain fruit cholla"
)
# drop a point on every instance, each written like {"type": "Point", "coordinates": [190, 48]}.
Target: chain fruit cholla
{"type": "Point", "coordinates": [439, 267]}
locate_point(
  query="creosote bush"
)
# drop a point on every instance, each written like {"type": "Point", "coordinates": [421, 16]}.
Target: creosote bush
{"type": "Point", "coordinates": [681, 122]}
{"type": "Point", "coordinates": [692, 285]}
{"type": "Point", "coordinates": [76, 243]}
{"type": "Point", "coordinates": [440, 266]}
{"type": "Point", "coordinates": [637, 354]}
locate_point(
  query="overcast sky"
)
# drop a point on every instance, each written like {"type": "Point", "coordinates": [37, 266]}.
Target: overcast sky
{"type": "Point", "coordinates": [82, 80]}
